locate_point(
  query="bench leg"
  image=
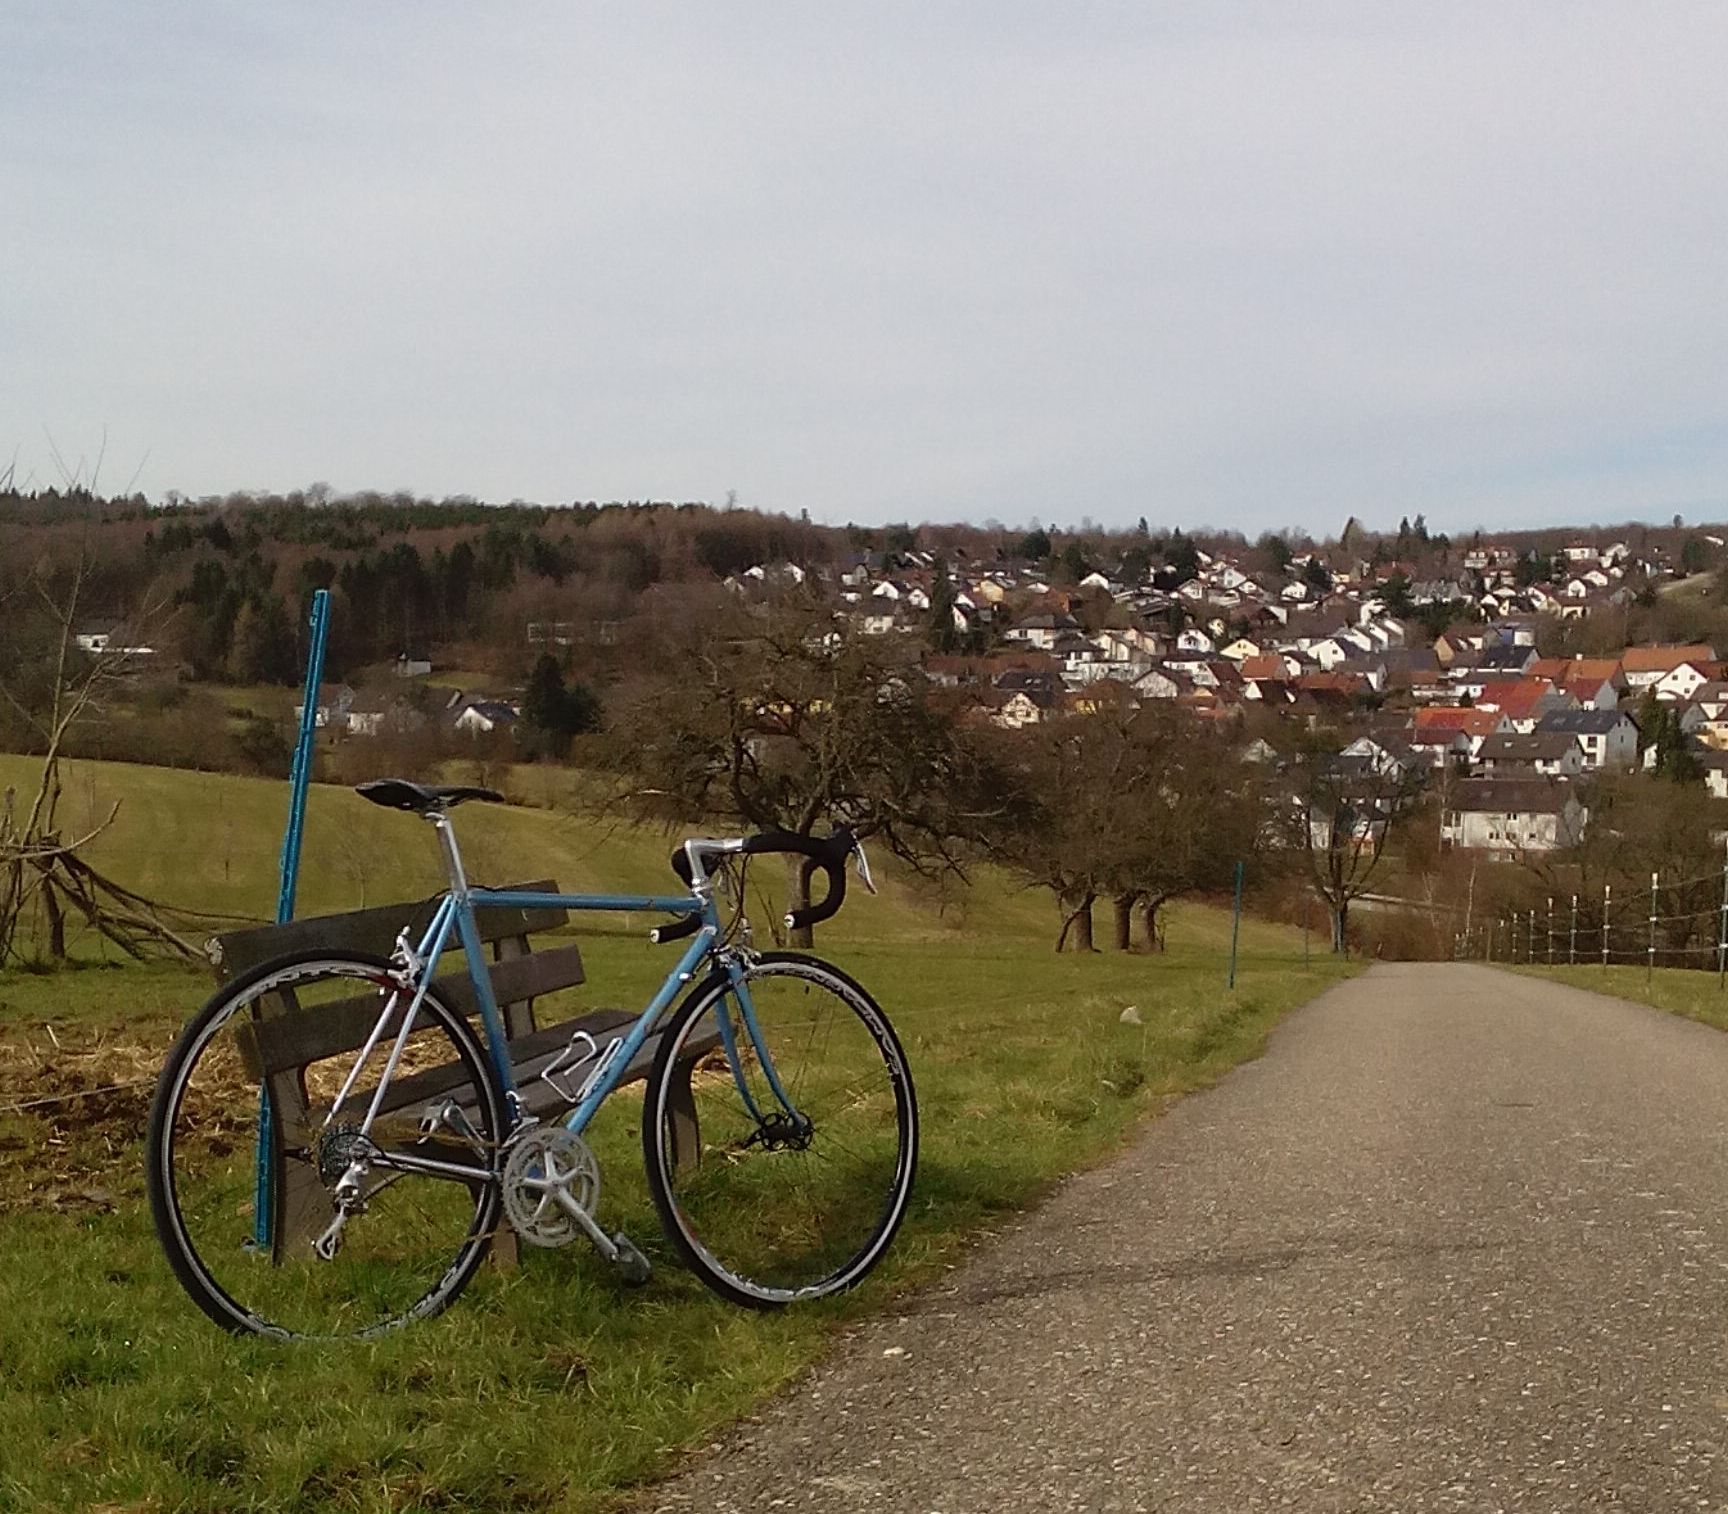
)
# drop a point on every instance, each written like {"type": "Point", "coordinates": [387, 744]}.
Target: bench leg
{"type": "Point", "coordinates": [506, 1252]}
{"type": "Point", "coordinates": [303, 1210]}
{"type": "Point", "coordinates": [683, 1128]}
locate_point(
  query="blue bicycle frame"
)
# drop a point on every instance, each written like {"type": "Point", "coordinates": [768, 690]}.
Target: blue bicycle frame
{"type": "Point", "coordinates": [455, 917]}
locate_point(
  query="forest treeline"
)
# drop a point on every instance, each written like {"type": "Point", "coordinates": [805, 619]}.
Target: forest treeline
{"type": "Point", "coordinates": [223, 581]}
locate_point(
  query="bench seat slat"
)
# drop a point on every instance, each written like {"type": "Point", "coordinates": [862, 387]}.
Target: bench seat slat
{"type": "Point", "coordinates": [529, 1057]}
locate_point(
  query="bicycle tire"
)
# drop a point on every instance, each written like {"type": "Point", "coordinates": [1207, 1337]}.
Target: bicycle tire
{"type": "Point", "coordinates": [200, 1166]}
{"type": "Point", "coordinates": [741, 1211]}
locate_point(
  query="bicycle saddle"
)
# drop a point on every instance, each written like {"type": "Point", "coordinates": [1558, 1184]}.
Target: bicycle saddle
{"type": "Point", "coordinates": [419, 798]}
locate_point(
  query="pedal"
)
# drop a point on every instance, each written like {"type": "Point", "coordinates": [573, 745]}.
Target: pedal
{"type": "Point", "coordinates": [634, 1268]}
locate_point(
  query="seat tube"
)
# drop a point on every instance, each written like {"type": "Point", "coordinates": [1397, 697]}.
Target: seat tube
{"type": "Point", "coordinates": [497, 1049]}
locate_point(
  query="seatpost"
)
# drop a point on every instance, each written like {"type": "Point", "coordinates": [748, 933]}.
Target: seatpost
{"type": "Point", "coordinates": [452, 855]}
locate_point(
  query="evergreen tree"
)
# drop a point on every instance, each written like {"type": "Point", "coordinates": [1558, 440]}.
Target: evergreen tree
{"type": "Point", "coordinates": [1034, 545]}
{"type": "Point", "coordinates": [554, 712]}
{"type": "Point", "coordinates": [944, 636]}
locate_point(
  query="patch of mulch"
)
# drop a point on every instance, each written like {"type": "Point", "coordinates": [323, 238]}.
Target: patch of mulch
{"type": "Point", "coordinates": [72, 1115]}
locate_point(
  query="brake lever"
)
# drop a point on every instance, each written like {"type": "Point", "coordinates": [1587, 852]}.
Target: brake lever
{"type": "Point", "coordinates": [863, 867]}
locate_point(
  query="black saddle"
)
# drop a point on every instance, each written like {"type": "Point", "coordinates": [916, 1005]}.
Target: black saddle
{"type": "Point", "coordinates": [419, 798]}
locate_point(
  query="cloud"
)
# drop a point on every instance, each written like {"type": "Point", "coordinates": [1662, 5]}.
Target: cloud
{"type": "Point", "coordinates": [1260, 264]}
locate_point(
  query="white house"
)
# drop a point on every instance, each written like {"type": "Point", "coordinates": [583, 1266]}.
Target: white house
{"type": "Point", "coordinates": [1508, 816]}
{"type": "Point", "coordinates": [482, 716]}
{"type": "Point", "coordinates": [1041, 630]}
{"type": "Point", "coordinates": [332, 708]}
{"type": "Point", "coordinates": [1682, 682]}
{"type": "Point", "coordinates": [1155, 683]}
{"type": "Point", "coordinates": [1605, 738]}
{"type": "Point", "coordinates": [1547, 754]}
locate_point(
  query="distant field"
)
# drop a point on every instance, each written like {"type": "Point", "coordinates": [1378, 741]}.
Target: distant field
{"type": "Point", "coordinates": [549, 1387]}
{"type": "Point", "coordinates": [211, 843]}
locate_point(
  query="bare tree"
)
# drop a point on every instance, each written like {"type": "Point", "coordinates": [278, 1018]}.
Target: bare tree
{"type": "Point", "coordinates": [51, 685]}
{"type": "Point", "coordinates": [1340, 814]}
{"type": "Point", "coordinates": [1136, 805]}
{"type": "Point", "coordinates": [781, 716]}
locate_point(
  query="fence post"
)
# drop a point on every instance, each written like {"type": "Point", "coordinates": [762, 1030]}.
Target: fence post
{"type": "Point", "coordinates": [1572, 938]}
{"type": "Point", "coordinates": [1650, 966]}
{"type": "Point", "coordinates": [1550, 930]}
{"type": "Point", "coordinates": [1530, 944]}
{"type": "Point", "coordinates": [1236, 922]}
{"type": "Point", "coordinates": [1607, 903]}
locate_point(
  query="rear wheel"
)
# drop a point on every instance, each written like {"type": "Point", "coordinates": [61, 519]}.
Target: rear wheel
{"type": "Point", "coordinates": [805, 1141]}
{"type": "Point", "coordinates": [233, 1086]}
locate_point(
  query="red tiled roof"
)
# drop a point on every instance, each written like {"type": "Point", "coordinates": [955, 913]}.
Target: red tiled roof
{"type": "Point", "coordinates": [1574, 670]}
{"type": "Point", "coordinates": [1271, 665]}
{"type": "Point", "coordinates": [1664, 659]}
{"type": "Point", "coordinates": [1471, 722]}
{"type": "Point", "coordinates": [1517, 697]}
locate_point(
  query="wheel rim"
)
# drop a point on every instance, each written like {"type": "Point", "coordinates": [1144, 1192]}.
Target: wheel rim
{"type": "Point", "coordinates": [791, 1202]}
{"type": "Point", "coordinates": [419, 1237]}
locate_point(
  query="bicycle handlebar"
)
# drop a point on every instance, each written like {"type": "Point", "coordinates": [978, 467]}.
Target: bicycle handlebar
{"type": "Point", "coordinates": [829, 853]}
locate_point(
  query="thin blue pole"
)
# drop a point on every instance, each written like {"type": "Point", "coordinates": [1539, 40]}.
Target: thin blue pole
{"type": "Point", "coordinates": [300, 775]}
{"type": "Point", "coordinates": [299, 780]}
{"type": "Point", "coordinates": [1236, 921]}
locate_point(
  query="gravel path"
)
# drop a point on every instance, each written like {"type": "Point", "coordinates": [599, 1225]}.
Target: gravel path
{"type": "Point", "coordinates": [1457, 1242]}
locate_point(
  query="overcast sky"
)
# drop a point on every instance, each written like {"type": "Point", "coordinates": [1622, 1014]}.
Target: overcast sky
{"type": "Point", "coordinates": [1239, 264]}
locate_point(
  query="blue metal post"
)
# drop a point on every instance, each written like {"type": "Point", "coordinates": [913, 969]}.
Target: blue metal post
{"type": "Point", "coordinates": [1236, 921]}
{"type": "Point", "coordinates": [300, 775]}
{"type": "Point", "coordinates": [299, 779]}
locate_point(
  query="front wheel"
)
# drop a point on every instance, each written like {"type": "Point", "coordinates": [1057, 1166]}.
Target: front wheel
{"type": "Point", "coordinates": [780, 1132]}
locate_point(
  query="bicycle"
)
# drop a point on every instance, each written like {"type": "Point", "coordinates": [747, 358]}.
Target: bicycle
{"type": "Point", "coordinates": [804, 1103]}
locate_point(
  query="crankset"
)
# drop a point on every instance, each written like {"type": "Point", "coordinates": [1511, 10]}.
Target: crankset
{"type": "Point", "coordinates": [551, 1187]}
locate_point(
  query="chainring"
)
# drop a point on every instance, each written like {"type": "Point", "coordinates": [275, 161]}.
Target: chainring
{"type": "Point", "coordinates": [544, 1166]}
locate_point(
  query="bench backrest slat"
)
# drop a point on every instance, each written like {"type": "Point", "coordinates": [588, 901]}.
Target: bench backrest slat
{"type": "Point", "coordinates": [281, 1042]}
{"type": "Point", "coordinates": [373, 930]}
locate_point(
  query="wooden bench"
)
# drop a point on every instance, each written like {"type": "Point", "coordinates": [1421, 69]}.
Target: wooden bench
{"type": "Point", "coordinates": [286, 1039]}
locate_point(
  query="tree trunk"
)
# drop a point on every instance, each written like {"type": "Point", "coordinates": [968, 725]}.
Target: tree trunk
{"type": "Point", "coordinates": [1154, 931]}
{"type": "Point", "coordinates": [1340, 918]}
{"type": "Point", "coordinates": [1077, 921]}
{"type": "Point", "coordinates": [1124, 906]}
{"type": "Point", "coordinates": [798, 871]}
{"type": "Point", "coordinates": [56, 918]}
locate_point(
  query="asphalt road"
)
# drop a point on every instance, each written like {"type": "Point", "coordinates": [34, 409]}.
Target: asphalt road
{"type": "Point", "coordinates": [1459, 1241]}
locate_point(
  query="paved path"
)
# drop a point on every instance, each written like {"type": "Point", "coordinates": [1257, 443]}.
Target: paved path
{"type": "Point", "coordinates": [1459, 1241]}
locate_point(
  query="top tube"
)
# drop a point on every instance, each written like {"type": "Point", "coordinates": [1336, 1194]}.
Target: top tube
{"type": "Point", "coordinates": [672, 904]}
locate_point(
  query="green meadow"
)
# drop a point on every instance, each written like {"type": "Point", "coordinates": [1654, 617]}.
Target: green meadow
{"type": "Point", "coordinates": [550, 1386]}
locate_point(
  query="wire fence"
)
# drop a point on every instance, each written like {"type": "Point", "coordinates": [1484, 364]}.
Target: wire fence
{"type": "Point", "coordinates": [1666, 923]}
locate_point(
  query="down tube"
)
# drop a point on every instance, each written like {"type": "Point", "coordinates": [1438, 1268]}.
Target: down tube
{"type": "Point", "coordinates": [676, 980]}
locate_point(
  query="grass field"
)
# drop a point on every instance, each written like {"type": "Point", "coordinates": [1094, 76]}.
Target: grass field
{"type": "Point", "coordinates": [1680, 991]}
{"type": "Point", "coordinates": [550, 1386]}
